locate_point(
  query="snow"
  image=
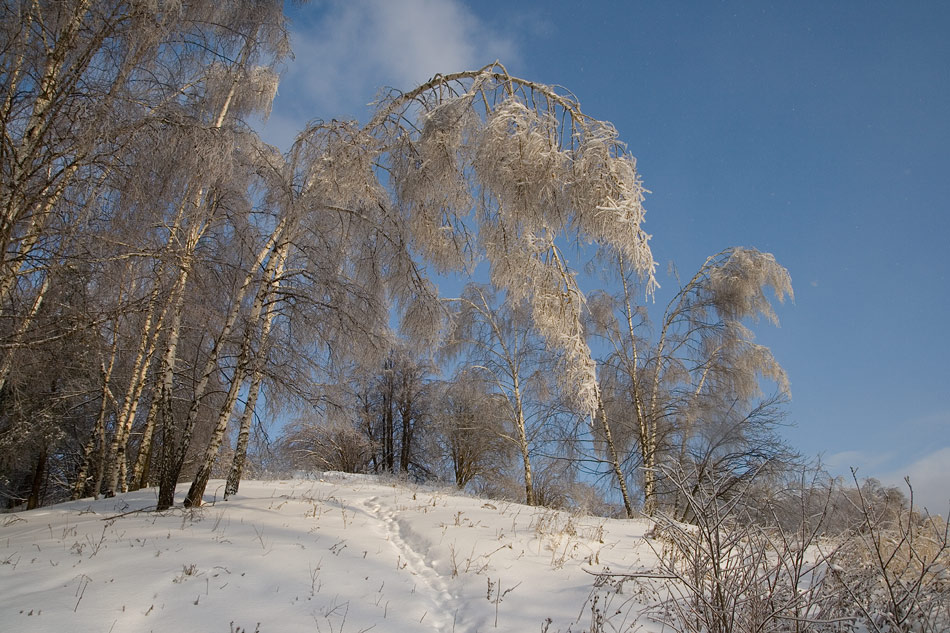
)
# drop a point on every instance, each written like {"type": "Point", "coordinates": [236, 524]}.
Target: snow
{"type": "Point", "coordinates": [342, 553]}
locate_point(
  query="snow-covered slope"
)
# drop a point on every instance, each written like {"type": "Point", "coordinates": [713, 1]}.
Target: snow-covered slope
{"type": "Point", "coordinates": [344, 553]}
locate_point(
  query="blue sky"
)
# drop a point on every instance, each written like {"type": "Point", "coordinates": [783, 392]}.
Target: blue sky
{"type": "Point", "coordinates": [817, 131]}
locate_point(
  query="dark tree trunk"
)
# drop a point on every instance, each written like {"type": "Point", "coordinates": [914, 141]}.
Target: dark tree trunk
{"type": "Point", "coordinates": [405, 448]}
{"type": "Point", "coordinates": [168, 477]}
{"type": "Point", "coordinates": [36, 488]}
{"type": "Point", "coordinates": [388, 449]}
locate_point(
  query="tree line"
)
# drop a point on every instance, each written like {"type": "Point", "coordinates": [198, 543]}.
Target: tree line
{"type": "Point", "coordinates": [167, 279]}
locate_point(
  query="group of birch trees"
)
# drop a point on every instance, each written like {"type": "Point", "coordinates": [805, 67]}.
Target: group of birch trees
{"type": "Point", "coordinates": [692, 398]}
{"type": "Point", "coordinates": [165, 275]}
{"type": "Point", "coordinates": [138, 271]}
{"type": "Point", "coordinates": [688, 404]}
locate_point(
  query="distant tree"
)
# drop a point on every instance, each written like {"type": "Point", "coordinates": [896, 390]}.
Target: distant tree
{"type": "Point", "coordinates": [471, 423]}
{"type": "Point", "coordinates": [732, 441]}
{"type": "Point", "coordinates": [399, 406]}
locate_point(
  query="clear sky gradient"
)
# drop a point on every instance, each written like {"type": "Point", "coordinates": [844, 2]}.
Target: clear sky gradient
{"type": "Point", "coordinates": [817, 131]}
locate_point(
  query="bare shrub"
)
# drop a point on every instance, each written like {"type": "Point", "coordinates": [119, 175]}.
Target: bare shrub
{"type": "Point", "coordinates": [736, 569]}
{"type": "Point", "coordinates": [730, 573]}
{"type": "Point", "coordinates": [332, 445]}
{"type": "Point", "coordinates": [894, 569]}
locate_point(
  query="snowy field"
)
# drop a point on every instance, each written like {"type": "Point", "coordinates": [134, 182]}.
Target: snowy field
{"type": "Point", "coordinates": [341, 554]}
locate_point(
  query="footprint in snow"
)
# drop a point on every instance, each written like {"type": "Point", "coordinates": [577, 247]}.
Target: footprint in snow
{"type": "Point", "coordinates": [431, 585]}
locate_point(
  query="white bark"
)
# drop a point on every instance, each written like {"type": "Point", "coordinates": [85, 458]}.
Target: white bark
{"type": "Point", "coordinates": [272, 269]}
{"type": "Point", "coordinates": [169, 472]}
{"type": "Point", "coordinates": [257, 377]}
{"type": "Point", "coordinates": [140, 473]}
{"type": "Point", "coordinates": [21, 331]}
{"type": "Point", "coordinates": [148, 343]}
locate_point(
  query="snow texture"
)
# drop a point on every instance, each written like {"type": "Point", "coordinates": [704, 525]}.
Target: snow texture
{"type": "Point", "coordinates": [340, 553]}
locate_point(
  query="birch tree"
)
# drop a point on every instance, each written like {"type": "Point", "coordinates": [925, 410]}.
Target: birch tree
{"type": "Point", "coordinates": [500, 345]}
{"type": "Point", "coordinates": [92, 94]}
{"type": "Point", "coordinates": [661, 393]}
{"type": "Point", "coordinates": [80, 80]}
{"type": "Point", "coordinates": [534, 168]}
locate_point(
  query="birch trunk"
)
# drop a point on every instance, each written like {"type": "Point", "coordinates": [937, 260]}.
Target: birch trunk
{"type": "Point", "coordinates": [257, 378]}
{"type": "Point", "coordinates": [389, 449]}
{"type": "Point", "coordinates": [21, 330]}
{"type": "Point", "coordinates": [244, 435]}
{"type": "Point", "coordinates": [523, 444]}
{"type": "Point", "coordinates": [171, 462]}
{"type": "Point", "coordinates": [643, 424]}
{"type": "Point", "coordinates": [97, 441]}
{"type": "Point", "coordinates": [211, 363]}
{"type": "Point", "coordinates": [169, 474]}
{"type": "Point", "coordinates": [648, 437]}
{"type": "Point", "coordinates": [615, 460]}
{"type": "Point", "coordinates": [146, 350]}
{"type": "Point", "coordinates": [405, 443]}
{"type": "Point", "coordinates": [140, 473]}
{"type": "Point", "coordinates": [200, 483]}
{"type": "Point", "coordinates": [195, 493]}
{"type": "Point", "coordinates": [174, 450]}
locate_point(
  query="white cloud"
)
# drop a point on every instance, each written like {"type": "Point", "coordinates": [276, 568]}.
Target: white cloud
{"type": "Point", "coordinates": [930, 478]}
{"type": "Point", "coordinates": [346, 50]}
{"type": "Point", "coordinates": [929, 474]}
{"type": "Point", "coordinates": [917, 447]}
{"type": "Point", "coordinates": [841, 463]}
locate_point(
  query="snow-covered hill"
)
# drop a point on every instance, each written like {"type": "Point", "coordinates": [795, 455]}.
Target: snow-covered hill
{"type": "Point", "coordinates": [341, 554]}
